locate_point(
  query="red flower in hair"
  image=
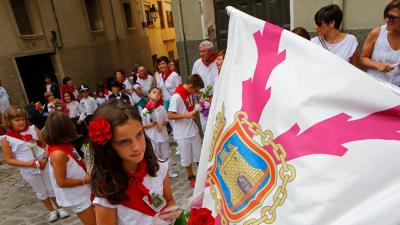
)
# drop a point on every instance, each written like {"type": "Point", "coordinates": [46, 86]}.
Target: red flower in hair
{"type": "Point", "coordinates": [100, 130]}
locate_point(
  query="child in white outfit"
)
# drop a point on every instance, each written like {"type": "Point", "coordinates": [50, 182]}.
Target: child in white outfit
{"type": "Point", "coordinates": [68, 173]}
{"type": "Point", "coordinates": [181, 111]}
{"type": "Point", "coordinates": [154, 123]}
{"type": "Point", "coordinates": [23, 147]}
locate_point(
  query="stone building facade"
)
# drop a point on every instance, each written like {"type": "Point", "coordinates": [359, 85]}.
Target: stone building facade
{"type": "Point", "coordinates": [84, 39]}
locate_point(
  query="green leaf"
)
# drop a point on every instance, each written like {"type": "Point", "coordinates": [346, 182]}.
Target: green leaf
{"type": "Point", "coordinates": [181, 220]}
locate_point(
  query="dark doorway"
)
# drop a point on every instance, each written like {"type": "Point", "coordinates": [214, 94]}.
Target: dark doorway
{"type": "Point", "coordinates": [273, 11]}
{"type": "Point", "coordinates": [32, 69]}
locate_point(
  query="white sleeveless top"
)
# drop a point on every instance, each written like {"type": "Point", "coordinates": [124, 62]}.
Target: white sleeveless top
{"type": "Point", "coordinates": [128, 216]}
{"type": "Point", "coordinates": [344, 49]}
{"type": "Point", "coordinates": [21, 150]}
{"type": "Point", "coordinates": [383, 52]}
{"type": "Point", "coordinates": [70, 196]}
{"type": "Point", "coordinates": [160, 114]}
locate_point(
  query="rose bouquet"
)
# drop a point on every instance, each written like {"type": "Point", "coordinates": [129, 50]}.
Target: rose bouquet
{"type": "Point", "coordinates": [171, 215]}
{"type": "Point", "coordinates": [38, 106]}
{"type": "Point", "coordinates": [205, 101]}
{"type": "Point", "coordinates": [148, 111]}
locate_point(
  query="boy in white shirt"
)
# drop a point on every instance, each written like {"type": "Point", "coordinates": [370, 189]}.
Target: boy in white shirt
{"type": "Point", "coordinates": [181, 111]}
{"type": "Point", "coordinates": [88, 104]}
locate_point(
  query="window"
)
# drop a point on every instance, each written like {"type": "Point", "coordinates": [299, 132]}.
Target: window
{"type": "Point", "coordinates": [21, 17]}
{"type": "Point", "coordinates": [128, 15]}
{"type": "Point", "coordinates": [148, 19]}
{"type": "Point", "coordinates": [94, 15]}
{"type": "Point", "coordinates": [170, 19]}
{"type": "Point", "coordinates": [160, 11]}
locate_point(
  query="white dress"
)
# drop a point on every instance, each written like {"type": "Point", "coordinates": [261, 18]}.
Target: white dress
{"type": "Point", "coordinates": [145, 84]}
{"type": "Point", "coordinates": [344, 49]}
{"type": "Point", "coordinates": [128, 216]}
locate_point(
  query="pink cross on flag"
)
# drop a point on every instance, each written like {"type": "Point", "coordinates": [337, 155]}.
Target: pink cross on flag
{"type": "Point", "coordinates": [298, 136]}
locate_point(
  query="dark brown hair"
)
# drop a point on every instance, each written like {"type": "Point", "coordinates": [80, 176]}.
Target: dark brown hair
{"type": "Point", "coordinates": [11, 113]}
{"type": "Point", "coordinates": [119, 70]}
{"type": "Point", "coordinates": [109, 178]}
{"type": "Point", "coordinates": [195, 80]}
{"type": "Point", "coordinates": [222, 53]}
{"type": "Point", "coordinates": [393, 4]}
{"type": "Point", "coordinates": [59, 129]}
{"type": "Point", "coordinates": [302, 32]}
{"type": "Point", "coordinates": [328, 14]}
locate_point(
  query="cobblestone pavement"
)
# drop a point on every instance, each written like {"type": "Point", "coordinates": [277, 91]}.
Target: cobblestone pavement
{"type": "Point", "coordinates": [18, 203]}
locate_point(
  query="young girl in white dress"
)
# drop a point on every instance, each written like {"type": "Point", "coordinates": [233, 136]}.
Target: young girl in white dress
{"type": "Point", "coordinates": [68, 173]}
{"type": "Point", "coordinates": [131, 186]}
{"type": "Point", "coordinates": [23, 147]}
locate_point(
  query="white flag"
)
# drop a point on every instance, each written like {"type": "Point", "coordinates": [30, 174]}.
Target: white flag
{"type": "Point", "coordinates": [296, 135]}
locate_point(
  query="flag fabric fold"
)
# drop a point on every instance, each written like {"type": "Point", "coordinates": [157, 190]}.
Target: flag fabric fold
{"type": "Point", "coordinates": [296, 135]}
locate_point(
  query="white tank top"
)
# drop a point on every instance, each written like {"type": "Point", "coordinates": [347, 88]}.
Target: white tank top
{"type": "Point", "coordinates": [70, 196]}
{"type": "Point", "coordinates": [21, 150]}
{"type": "Point", "coordinates": [383, 52]}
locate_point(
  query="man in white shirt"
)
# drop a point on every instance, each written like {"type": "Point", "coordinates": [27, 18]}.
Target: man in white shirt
{"type": "Point", "coordinates": [206, 67]}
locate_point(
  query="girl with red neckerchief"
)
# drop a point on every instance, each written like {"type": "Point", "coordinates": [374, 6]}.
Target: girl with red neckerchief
{"type": "Point", "coordinates": [68, 173]}
{"type": "Point", "coordinates": [23, 147]}
{"type": "Point", "coordinates": [131, 186]}
{"type": "Point", "coordinates": [167, 80]}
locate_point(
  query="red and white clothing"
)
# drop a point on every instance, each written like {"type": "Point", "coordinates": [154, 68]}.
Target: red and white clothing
{"type": "Point", "coordinates": [185, 132]}
{"type": "Point", "coordinates": [71, 196]}
{"type": "Point", "coordinates": [209, 73]}
{"type": "Point", "coordinates": [168, 85]}
{"type": "Point", "coordinates": [39, 181]}
{"type": "Point", "coordinates": [135, 98]}
{"type": "Point", "coordinates": [159, 139]}
{"type": "Point", "coordinates": [128, 216]}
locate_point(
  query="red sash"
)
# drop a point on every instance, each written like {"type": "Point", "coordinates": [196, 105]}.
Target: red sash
{"type": "Point", "coordinates": [26, 137]}
{"type": "Point", "coordinates": [165, 77]}
{"type": "Point", "coordinates": [136, 191]}
{"type": "Point", "coordinates": [69, 150]}
{"type": "Point", "coordinates": [186, 97]}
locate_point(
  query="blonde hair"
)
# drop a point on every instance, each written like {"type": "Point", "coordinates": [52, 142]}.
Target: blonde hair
{"type": "Point", "coordinates": [11, 113]}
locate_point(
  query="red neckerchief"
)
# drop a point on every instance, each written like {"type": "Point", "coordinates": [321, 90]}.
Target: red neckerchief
{"type": "Point", "coordinates": [122, 81]}
{"type": "Point", "coordinates": [136, 191]}
{"type": "Point", "coordinates": [22, 137]}
{"type": "Point", "coordinates": [166, 74]}
{"type": "Point", "coordinates": [69, 150]}
{"type": "Point", "coordinates": [210, 60]}
{"type": "Point", "coordinates": [185, 95]}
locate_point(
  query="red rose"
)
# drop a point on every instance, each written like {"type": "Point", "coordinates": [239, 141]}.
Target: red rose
{"type": "Point", "coordinates": [100, 130]}
{"type": "Point", "coordinates": [150, 105]}
{"type": "Point", "coordinates": [201, 216]}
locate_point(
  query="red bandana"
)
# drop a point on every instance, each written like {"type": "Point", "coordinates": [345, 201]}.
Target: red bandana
{"type": "Point", "coordinates": [210, 60]}
{"type": "Point", "coordinates": [69, 150]}
{"type": "Point", "coordinates": [186, 97]}
{"type": "Point", "coordinates": [26, 137]}
{"type": "Point", "coordinates": [165, 77]}
{"type": "Point", "coordinates": [136, 191]}
{"type": "Point", "coordinates": [68, 89]}
{"type": "Point", "coordinates": [106, 91]}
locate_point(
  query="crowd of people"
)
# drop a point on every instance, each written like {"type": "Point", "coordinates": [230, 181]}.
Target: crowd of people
{"type": "Point", "coordinates": [127, 122]}
{"type": "Point", "coordinates": [380, 54]}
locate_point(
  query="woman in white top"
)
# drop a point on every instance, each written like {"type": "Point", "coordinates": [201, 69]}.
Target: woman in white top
{"type": "Point", "coordinates": [327, 21]}
{"type": "Point", "coordinates": [167, 80]}
{"type": "Point", "coordinates": [75, 111]}
{"type": "Point", "coordinates": [145, 81]}
{"type": "Point", "coordinates": [381, 50]}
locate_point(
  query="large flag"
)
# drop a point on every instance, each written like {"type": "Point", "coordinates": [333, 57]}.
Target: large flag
{"type": "Point", "coordinates": [296, 135]}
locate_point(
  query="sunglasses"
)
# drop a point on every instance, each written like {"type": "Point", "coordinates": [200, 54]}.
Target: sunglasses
{"type": "Point", "coordinates": [391, 18]}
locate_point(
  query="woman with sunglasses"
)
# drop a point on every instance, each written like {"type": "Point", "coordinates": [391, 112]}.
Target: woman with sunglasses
{"type": "Point", "coordinates": [381, 50]}
{"type": "Point", "coordinates": [329, 36]}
